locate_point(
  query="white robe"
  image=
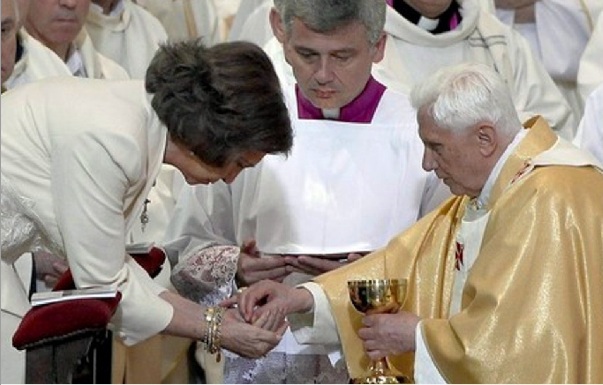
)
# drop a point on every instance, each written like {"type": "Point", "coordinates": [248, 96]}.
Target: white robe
{"type": "Point", "coordinates": [37, 62]}
{"type": "Point", "coordinates": [96, 65]}
{"type": "Point", "coordinates": [411, 54]}
{"type": "Point", "coordinates": [130, 38]}
{"type": "Point", "coordinates": [558, 37]}
{"type": "Point", "coordinates": [590, 72]}
{"type": "Point", "coordinates": [185, 19]}
{"type": "Point", "coordinates": [251, 22]}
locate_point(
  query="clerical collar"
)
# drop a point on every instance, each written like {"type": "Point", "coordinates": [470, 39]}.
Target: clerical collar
{"type": "Point", "coordinates": [447, 21]}
{"type": "Point", "coordinates": [75, 62]}
{"type": "Point", "coordinates": [20, 49]}
{"type": "Point", "coordinates": [359, 110]}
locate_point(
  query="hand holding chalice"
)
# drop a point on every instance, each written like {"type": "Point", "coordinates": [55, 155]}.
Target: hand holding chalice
{"type": "Point", "coordinates": [378, 296]}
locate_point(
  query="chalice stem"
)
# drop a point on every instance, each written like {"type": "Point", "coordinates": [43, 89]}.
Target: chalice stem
{"type": "Point", "coordinates": [380, 367]}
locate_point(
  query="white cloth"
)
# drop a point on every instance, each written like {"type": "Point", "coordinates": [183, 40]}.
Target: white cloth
{"type": "Point", "coordinates": [87, 177]}
{"type": "Point", "coordinates": [558, 37]}
{"type": "Point", "coordinates": [184, 19]}
{"type": "Point", "coordinates": [590, 131]}
{"type": "Point", "coordinates": [411, 54]}
{"type": "Point", "coordinates": [37, 62]}
{"type": "Point", "coordinates": [97, 66]}
{"type": "Point", "coordinates": [322, 199]}
{"type": "Point", "coordinates": [252, 23]}
{"type": "Point", "coordinates": [590, 72]}
{"type": "Point", "coordinates": [130, 38]}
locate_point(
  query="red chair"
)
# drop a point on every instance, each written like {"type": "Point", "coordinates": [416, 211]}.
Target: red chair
{"type": "Point", "coordinates": [68, 342]}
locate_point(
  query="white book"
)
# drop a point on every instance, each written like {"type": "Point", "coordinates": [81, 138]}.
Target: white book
{"type": "Point", "coordinates": [139, 248]}
{"type": "Point", "coordinates": [38, 299]}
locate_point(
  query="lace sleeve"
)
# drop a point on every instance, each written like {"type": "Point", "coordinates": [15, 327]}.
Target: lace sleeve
{"type": "Point", "coordinates": [21, 229]}
{"type": "Point", "coordinates": [206, 273]}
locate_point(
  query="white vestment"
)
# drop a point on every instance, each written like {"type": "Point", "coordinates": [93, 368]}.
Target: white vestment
{"type": "Point", "coordinates": [590, 72]}
{"type": "Point", "coordinates": [185, 19]}
{"type": "Point", "coordinates": [558, 37]}
{"type": "Point", "coordinates": [130, 37]}
{"type": "Point", "coordinates": [411, 54]}
{"type": "Point", "coordinates": [251, 22]}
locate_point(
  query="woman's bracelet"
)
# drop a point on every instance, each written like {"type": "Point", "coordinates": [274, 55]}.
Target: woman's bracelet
{"type": "Point", "coordinates": [212, 335]}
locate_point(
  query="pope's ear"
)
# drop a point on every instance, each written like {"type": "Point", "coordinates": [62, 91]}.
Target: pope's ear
{"type": "Point", "coordinates": [487, 139]}
{"type": "Point", "coordinates": [276, 23]}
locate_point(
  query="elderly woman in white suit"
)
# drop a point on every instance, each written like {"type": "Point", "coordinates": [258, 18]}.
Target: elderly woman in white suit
{"type": "Point", "coordinates": [79, 157]}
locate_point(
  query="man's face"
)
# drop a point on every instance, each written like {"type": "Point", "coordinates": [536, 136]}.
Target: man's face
{"type": "Point", "coordinates": [9, 38]}
{"type": "Point", "coordinates": [56, 22]}
{"type": "Point", "coordinates": [454, 157]}
{"type": "Point", "coordinates": [429, 8]}
{"type": "Point", "coordinates": [331, 68]}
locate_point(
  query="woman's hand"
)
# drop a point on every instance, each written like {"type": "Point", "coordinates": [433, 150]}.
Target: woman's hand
{"type": "Point", "coordinates": [251, 340]}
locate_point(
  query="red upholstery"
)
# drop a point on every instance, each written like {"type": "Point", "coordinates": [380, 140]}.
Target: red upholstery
{"type": "Point", "coordinates": [61, 319]}
{"type": "Point", "coordinates": [151, 262]}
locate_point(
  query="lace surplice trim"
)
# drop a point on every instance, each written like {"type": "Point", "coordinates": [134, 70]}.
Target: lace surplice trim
{"type": "Point", "coordinates": [206, 273]}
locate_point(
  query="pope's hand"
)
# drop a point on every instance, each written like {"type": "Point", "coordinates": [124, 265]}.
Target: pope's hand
{"type": "Point", "coordinates": [388, 334]}
{"type": "Point", "coordinates": [270, 299]}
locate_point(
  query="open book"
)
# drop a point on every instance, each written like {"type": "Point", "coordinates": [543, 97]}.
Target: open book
{"type": "Point", "coordinates": [38, 299]}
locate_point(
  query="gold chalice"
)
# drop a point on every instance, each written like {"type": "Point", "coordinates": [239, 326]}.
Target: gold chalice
{"type": "Point", "coordinates": [373, 296]}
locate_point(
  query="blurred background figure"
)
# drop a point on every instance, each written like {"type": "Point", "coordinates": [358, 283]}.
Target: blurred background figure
{"type": "Point", "coordinates": [590, 71]}
{"type": "Point", "coordinates": [126, 33]}
{"type": "Point", "coordinates": [558, 32]}
{"type": "Point", "coordinates": [59, 25]}
{"type": "Point", "coordinates": [425, 36]}
{"type": "Point", "coordinates": [251, 22]}
{"type": "Point", "coordinates": [183, 19]}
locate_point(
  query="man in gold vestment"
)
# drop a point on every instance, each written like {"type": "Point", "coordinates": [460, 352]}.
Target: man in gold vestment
{"type": "Point", "coordinates": [505, 280]}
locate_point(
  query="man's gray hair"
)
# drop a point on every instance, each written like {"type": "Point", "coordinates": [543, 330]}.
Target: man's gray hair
{"type": "Point", "coordinates": [328, 15]}
{"type": "Point", "coordinates": [464, 95]}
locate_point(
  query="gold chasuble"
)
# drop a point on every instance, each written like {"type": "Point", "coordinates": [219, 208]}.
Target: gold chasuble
{"type": "Point", "coordinates": [532, 305]}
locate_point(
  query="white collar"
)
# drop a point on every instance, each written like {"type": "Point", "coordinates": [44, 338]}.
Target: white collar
{"type": "Point", "coordinates": [484, 196]}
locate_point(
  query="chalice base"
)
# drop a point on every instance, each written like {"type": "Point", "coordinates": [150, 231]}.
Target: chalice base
{"type": "Point", "coordinates": [382, 379]}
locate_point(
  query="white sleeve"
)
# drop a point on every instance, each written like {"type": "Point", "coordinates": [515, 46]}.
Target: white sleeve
{"type": "Point", "coordinates": [425, 369]}
{"type": "Point", "coordinates": [202, 217]}
{"type": "Point", "coordinates": [91, 175]}
{"type": "Point", "coordinates": [317, 326]}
